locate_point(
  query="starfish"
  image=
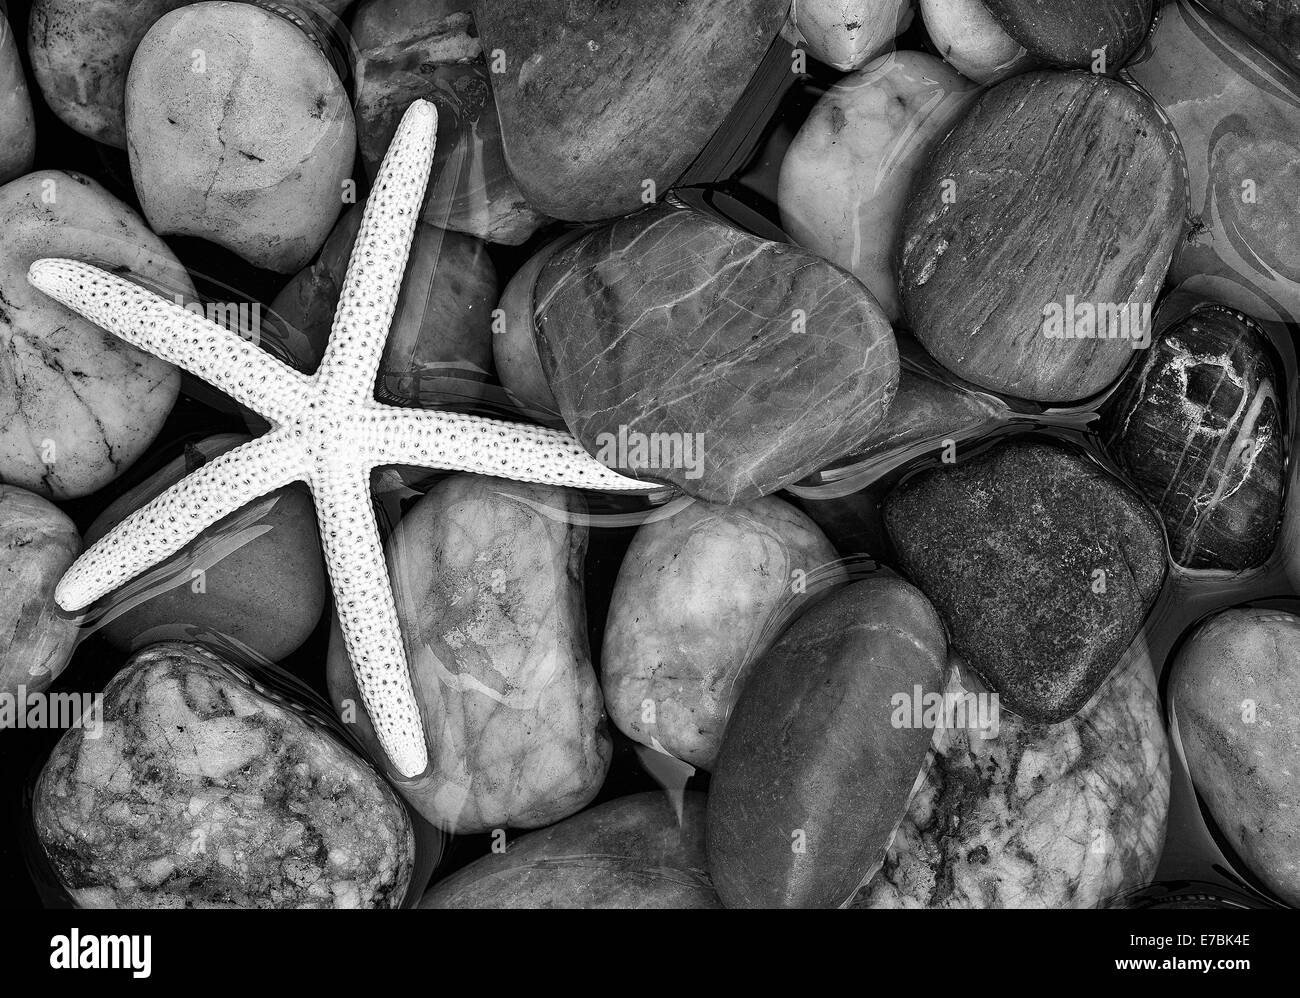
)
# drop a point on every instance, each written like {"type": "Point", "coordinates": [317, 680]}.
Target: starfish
{"type": "Point", "coordinates": [327, 430]}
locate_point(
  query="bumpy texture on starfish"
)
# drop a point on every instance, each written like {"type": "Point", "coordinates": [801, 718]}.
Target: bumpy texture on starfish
{"type": "Point", "coordinates": [327, 430]}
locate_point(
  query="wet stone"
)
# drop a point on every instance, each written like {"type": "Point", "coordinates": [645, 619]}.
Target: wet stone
{"type": "Point", "coordinates": [1021, 815]}
{"type": "Point", "coordinates": [1042, 565]}
{"type": "Point", "coordinates": [1197, 425]}
{"type": "Point", "coordinates": [199, 792]}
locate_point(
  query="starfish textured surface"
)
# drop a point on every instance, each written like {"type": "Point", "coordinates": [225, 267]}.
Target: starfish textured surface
{"type": "Point", "coordinates": [327, 430]}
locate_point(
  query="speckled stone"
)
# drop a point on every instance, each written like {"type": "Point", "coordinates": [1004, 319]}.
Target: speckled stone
{"type": "Point", "coordinates": [1042, 565]}
{"type": "Point", "coordinates": [1039, 816]}
{"type": "Point", "coordinates": [643, 851]}
{"type": "Point", "coordinates": [487, 575]}
{"type": "Point", "coordinates": [37, 544]}
{"type": "Point", "coordinates": [1234, 694]}
{"type": "Point", "coordinates": [439, 347]}
{"type": "Point", "coordinates": [1198, 427]}
{"type": "Point", "coordinates": [202, 793]}
{"type": "Point", "coordinates": [672, 322]}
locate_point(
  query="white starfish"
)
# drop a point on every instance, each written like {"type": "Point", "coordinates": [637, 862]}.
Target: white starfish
{"type": "Point", "coordinates": [326, 430]}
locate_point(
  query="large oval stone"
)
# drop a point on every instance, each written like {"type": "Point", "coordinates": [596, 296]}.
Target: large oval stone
{"type": "Point", "coordinates": [239, 132]}
{"type": "Point", "coordinates": [847, 174]}
{"type": "Point", "coordinates": [698, 600]}
{"type": "Point", "coordinates": [1237, 114]}
{"type": "Point", "coordinates": [813, 775]}
{"type": "Point", "coordinates": [202, 792]}
{"type": "Point", "coordinates": [37, 545]}
{"type": "Point", "coordinates": [1035, 815]}
{"type": "Point", "coordinates": [633, 852]}
{"type": "Point", "coordinates": [487, 575]}
{"type": "Point", "coordinates": [685, 350]}
{"type": "Point", "coordinates": [597, 100]}
{"type": "Point", "coordinates": [266, 590]}
{"type": "Point", "coordinates": [1198, 427]}
{"type": "Point", "coordinates": [81, 51]}
{"type": "Point", "coordinates": [77, 404]}
{"type": "Point", "coordinates": [1235, 696]}
{"type": "Point", "coordinates": [1042, 565]}
{"type": "Point", "coordinates": [1036, 240]}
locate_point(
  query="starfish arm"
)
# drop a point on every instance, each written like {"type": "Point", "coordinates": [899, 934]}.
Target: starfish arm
{"type": "Point", "coordinates": [158, 530]}
{"type": "Point", "coordinates": [367, 614]}
{"type": "Point", "coordinates": [368, 299]}
{"type": "Point", "coordinates": [245, 372]}
{"type": "Point", "coordinates": [435, 439]}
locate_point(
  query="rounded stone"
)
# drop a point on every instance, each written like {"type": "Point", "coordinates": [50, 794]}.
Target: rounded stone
{"type": "Point", "coordinates": [1036, 239]}
{"type": "Point", "coordinates": [37, 545]}
{"type": "Point", "coordinates": [78, 405]}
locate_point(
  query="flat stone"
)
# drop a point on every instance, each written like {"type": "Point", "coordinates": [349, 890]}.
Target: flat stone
{"type": "Point", "coordinates": [1037, 235]}
{"type": "Point", "coordinates": [813, 775]}
{"type": "Point", "coordinates": [1035, 815]}
{"type": "Point", "coordinates": [202, 792]}
{"type": "Point", "coordinates": [1235, 696]}
{"type": "Point", "coordinates": [1042, 565]}
{"type": "Point", "coordinates": [642, 851]}
{"type": "Point", "coordinates": [604, 104]}
{"type": "Point", "coordinates": [766, 360]}
{"type": "Point", "coordinates": [1198, 428]}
